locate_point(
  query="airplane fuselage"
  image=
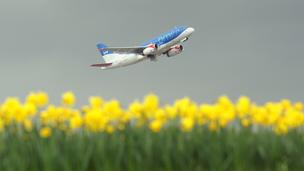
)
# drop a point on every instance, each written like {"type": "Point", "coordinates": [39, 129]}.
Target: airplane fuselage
{"type": "Point", "coordinates": [164, 43]}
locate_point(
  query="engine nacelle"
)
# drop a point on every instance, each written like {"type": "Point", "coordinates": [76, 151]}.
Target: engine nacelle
{"type": "Point", "coordinates": [150, 49]}
{"type": "Point", "coordinates": [175, 50]}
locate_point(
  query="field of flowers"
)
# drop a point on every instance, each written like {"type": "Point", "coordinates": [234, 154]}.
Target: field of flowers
{"type": "Point", "coordinates": [148, 135]}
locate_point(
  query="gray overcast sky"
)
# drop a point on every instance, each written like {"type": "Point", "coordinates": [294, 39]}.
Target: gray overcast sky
{"type": "Point", "coordinates": [252, 48]}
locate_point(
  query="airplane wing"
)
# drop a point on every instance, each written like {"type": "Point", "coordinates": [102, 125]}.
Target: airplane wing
{"type": "Point", "coordinates": [138, 49]}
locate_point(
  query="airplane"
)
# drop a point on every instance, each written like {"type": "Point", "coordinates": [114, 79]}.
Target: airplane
{"type": "Point", "coordinates": [166, 44]}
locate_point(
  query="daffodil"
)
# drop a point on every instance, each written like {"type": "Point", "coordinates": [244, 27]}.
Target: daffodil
{"type": "Point", "coordinates": [76, 122]}
{"type": "Point", "coordinates": [187, 124]}
{"type": "Point", "coordinates": [150, 103]}
{"type": "Point", "coordinates": [156, 125]}
{"type": "Point", "coordinates": [39, 99]}
{"type": "Point", "coordinates": [68, 98]}
{"type": "Point", "coordinates": [245, 122]}
{"type": "Point", "coordinates": [45, 132]}
{"type": "Point", "coordinates": [243, 106]}
{"type": "Point", "coordinates": [28, 125]}
{"type": "Point", "coordinates": [96, 102]}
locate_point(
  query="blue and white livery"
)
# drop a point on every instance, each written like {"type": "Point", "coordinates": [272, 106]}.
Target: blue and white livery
{"type": "Point", "coordinates": [166, 44]}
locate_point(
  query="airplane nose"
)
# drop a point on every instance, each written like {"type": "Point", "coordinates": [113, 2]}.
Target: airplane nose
{"type": "Point", "coordinates": [191, 30]}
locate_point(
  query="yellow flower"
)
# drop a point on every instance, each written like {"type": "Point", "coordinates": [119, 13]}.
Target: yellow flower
{"type": "Point", "coordinates": [187, 124]}
{"type": "Point", "coordinates": [160, 115]}
{"type": "Point", "coordinates": [191, 110]}
{"type": "Point", "coordinates": [171, 111]}
{"type": "Point", "coordinates": [151, 103]}
{"type": "Point", "coordinates": [286, 103]}
{"type": "Point", "coordinates": [298, 106]}
{"type": "Point", "coordinates": [209, 111]}
{"type": "Point", "coordinates": [11, 103]}
{"type": "Point", "coordinates": [45, 132]}
{"type": "Point", "coordinates": [108, 116]}
{"type": "Point", "coordinates": [276, 108]}
{"type": "Point", "coordinates": [29, 109]}
{"type": "Point", "coordinates": [224, 101]}
{"type": "Point", "coordinates": [226, 116]}
{"type": "Point", "coordinates": [125, 117]}
{"type": "Point", "coordinates": [223, 122]}
{"type": "Point", "coordinates": [68, 99]}
{"type": "Point", "coordinates": [31, 98]}
{"type": "Point", "coordinates": [212, 126]}
{"type": "Point", "coordinates": [281, 128]}
{"type": "Point", "coordinates": [95, 120]}
{"type": "Point", "coordinates": [39, 99]}
{"type": "Point", "coordinates": [113, 108]}
{"type": "Point", "coordinates": [135, 108]}
{"type": "Point", "coordinates": [182, 106]}
{"type": "Point", "coordinates": [243, 106]}
{"type": "Point", "coordinates": [75, 122]}
{"type": "Point", "coordinates": [245, 123]}
{"type": "Point", "coordinates": [28, 125]}
{"type": "Point", "coordinates": [42, 99]}
{"type": "Point", "coordinates": [259, 116]}
{"type": "Point", "coordinates": [156, 125]}
{"type": "Point", "coordinates": [95, 102]}
{"type": "Point", "coordinates": [273, 117]}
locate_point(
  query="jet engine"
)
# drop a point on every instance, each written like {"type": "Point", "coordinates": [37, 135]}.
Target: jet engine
{"type": "Point", "coordinates": [150, 49]}
{"type": "Point", "coordinates": [175, 50]}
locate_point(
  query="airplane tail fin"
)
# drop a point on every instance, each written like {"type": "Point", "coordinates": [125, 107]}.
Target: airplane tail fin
{"type": "Point", "coordinates": [100, 47]}
{"type": "Point", "coordinates": [105, 53]}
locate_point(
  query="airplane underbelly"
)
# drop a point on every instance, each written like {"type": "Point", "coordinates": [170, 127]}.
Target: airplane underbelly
{"type": "Point", "coordinates": [130, 59]}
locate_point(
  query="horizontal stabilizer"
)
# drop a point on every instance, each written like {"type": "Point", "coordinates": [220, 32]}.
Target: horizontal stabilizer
{"type": "Point", "coordinates": [101, 65]}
